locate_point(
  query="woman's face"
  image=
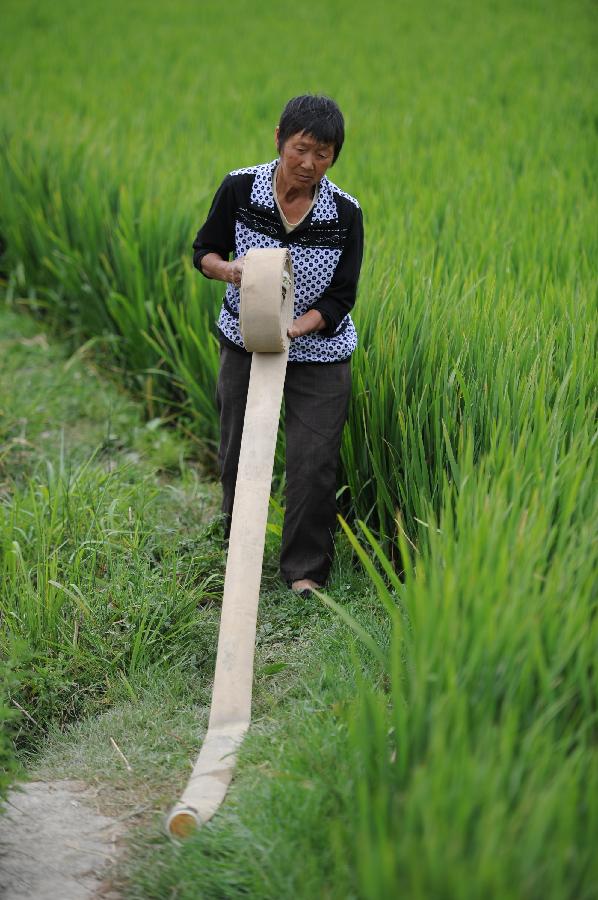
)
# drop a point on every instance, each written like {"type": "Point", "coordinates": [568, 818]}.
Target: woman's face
{"type": "Point", "coordinates": [304, 160]}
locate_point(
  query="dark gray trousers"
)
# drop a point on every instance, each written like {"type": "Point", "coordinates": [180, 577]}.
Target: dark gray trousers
{"type": "Point", "coordinates": [316, 403]}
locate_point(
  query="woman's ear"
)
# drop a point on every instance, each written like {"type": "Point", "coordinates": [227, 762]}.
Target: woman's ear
{"type": "Point", "coordinates": [276, 130]}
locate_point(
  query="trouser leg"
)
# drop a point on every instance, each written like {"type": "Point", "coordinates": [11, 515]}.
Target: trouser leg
{"type": "Point", "coordinates": [231, 398]}
{"type": "Point", "coordinates": [316, 404]}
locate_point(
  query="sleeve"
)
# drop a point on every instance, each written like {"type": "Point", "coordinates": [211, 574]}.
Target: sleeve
{"type": "Point", "coordinates": [339, 297]}
{"type": "Point", "coordinates": [217, 234]}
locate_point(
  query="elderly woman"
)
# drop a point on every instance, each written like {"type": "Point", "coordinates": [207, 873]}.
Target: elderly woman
{"type": "Point", "coordinates": [291, 203]}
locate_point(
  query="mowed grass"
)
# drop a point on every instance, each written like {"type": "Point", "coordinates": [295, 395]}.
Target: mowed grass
{"type": "Point", "coordinates": [469, 767]}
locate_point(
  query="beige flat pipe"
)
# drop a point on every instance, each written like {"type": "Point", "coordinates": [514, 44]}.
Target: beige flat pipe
{"type": "Point", "coordinates": [267, 301]}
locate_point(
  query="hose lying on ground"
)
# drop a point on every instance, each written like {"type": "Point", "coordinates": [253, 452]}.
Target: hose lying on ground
{"type": "Point", "coordinates": [267, 301]}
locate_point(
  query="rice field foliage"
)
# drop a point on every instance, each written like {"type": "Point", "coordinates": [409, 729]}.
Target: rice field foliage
{"type": "Point", "coordinates": [471, 144]}
{"type": "Point", "coordinates": [478, 762]}
{"type": "Point", "coordinates": [471, 138]}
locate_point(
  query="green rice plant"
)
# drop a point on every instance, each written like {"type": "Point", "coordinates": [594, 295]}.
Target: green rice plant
{"type": "Point", "coordinates": [406, 433]}
{"type": "Point", "coordinates": [470, 448]}
{"type": "Point", "coordinates": [188, 351]}
{"type": "Point", "coordinates": [475, 195]}
{"type": "Point", "coordinates": [478, 760]}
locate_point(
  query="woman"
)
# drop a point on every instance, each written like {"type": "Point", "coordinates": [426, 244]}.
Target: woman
{"type": "Point", "coordinates": [291, 203]}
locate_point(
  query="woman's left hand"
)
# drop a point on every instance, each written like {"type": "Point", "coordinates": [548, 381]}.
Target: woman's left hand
{"type": "Point", "coordinates": [310, 321]}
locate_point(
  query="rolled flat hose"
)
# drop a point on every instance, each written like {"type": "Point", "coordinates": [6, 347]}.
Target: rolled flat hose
{"type": "Point", "coordinates": [267, 301]}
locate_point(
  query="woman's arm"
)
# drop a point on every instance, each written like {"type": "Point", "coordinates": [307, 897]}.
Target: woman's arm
{"type": "Point", "coordinates": [216, 237]}
{"type": "Point", "coordinates": [213, 266]}
{"type": "Point", "coordinates": [339, 297]}
{"type": "Point", "coordinates": [310, 321]}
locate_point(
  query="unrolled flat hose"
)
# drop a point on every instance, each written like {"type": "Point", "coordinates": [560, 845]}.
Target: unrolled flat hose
{"type": "Point", "coordinates": [267, 301]}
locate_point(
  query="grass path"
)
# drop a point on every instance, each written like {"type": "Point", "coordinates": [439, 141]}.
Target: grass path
{"type": "Point", "coordinates": [148, 600]}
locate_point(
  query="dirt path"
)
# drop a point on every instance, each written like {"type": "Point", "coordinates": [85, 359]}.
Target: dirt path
{"type": "Point", "coordinates": [55, 846]}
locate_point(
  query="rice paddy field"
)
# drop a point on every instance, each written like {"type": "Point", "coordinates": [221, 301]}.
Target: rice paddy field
{"type": "Point", "coordinates": [438, 737]}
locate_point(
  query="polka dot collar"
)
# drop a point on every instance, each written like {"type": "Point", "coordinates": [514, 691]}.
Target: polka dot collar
{"type": "Point", "coordinates": [262, 194]}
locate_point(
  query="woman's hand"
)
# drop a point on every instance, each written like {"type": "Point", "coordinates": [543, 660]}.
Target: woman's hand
{"type": "Point", "coordinates": [235, 270]}
{"type": "Point", "coordinates": [309, 322]}
{"type": "Point", "coordinates": [214, 266]}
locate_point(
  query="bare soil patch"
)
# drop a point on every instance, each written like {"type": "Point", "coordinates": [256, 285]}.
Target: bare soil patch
{"type": "Point", "coordinates": [56, 845]}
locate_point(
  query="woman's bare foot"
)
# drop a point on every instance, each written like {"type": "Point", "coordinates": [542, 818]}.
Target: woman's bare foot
{"type": "Point", "coordinates": [305, 584]}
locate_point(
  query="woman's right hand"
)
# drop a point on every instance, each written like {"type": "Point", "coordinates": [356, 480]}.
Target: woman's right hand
{"type": "Point", "coordinates": [214, 266]}
{"type": "Point", "coordinates": [235, 270]}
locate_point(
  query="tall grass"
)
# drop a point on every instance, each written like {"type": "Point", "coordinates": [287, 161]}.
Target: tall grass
{"type": "Point", "coordinates": [471, 154]}
{"type": "Point", "coordinates": [106, 571]}
{"type": "Point", "coordinates": [471, 440]}
{"type": "Point", "coordinates": [479, 762]}
{"type": "Point", "coordinates": [97, 589]}
{"type": "Point", "coordinates": [9, 718]}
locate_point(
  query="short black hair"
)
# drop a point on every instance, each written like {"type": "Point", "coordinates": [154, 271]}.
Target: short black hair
{"type": "Point", "coordinates": [315, 115]}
